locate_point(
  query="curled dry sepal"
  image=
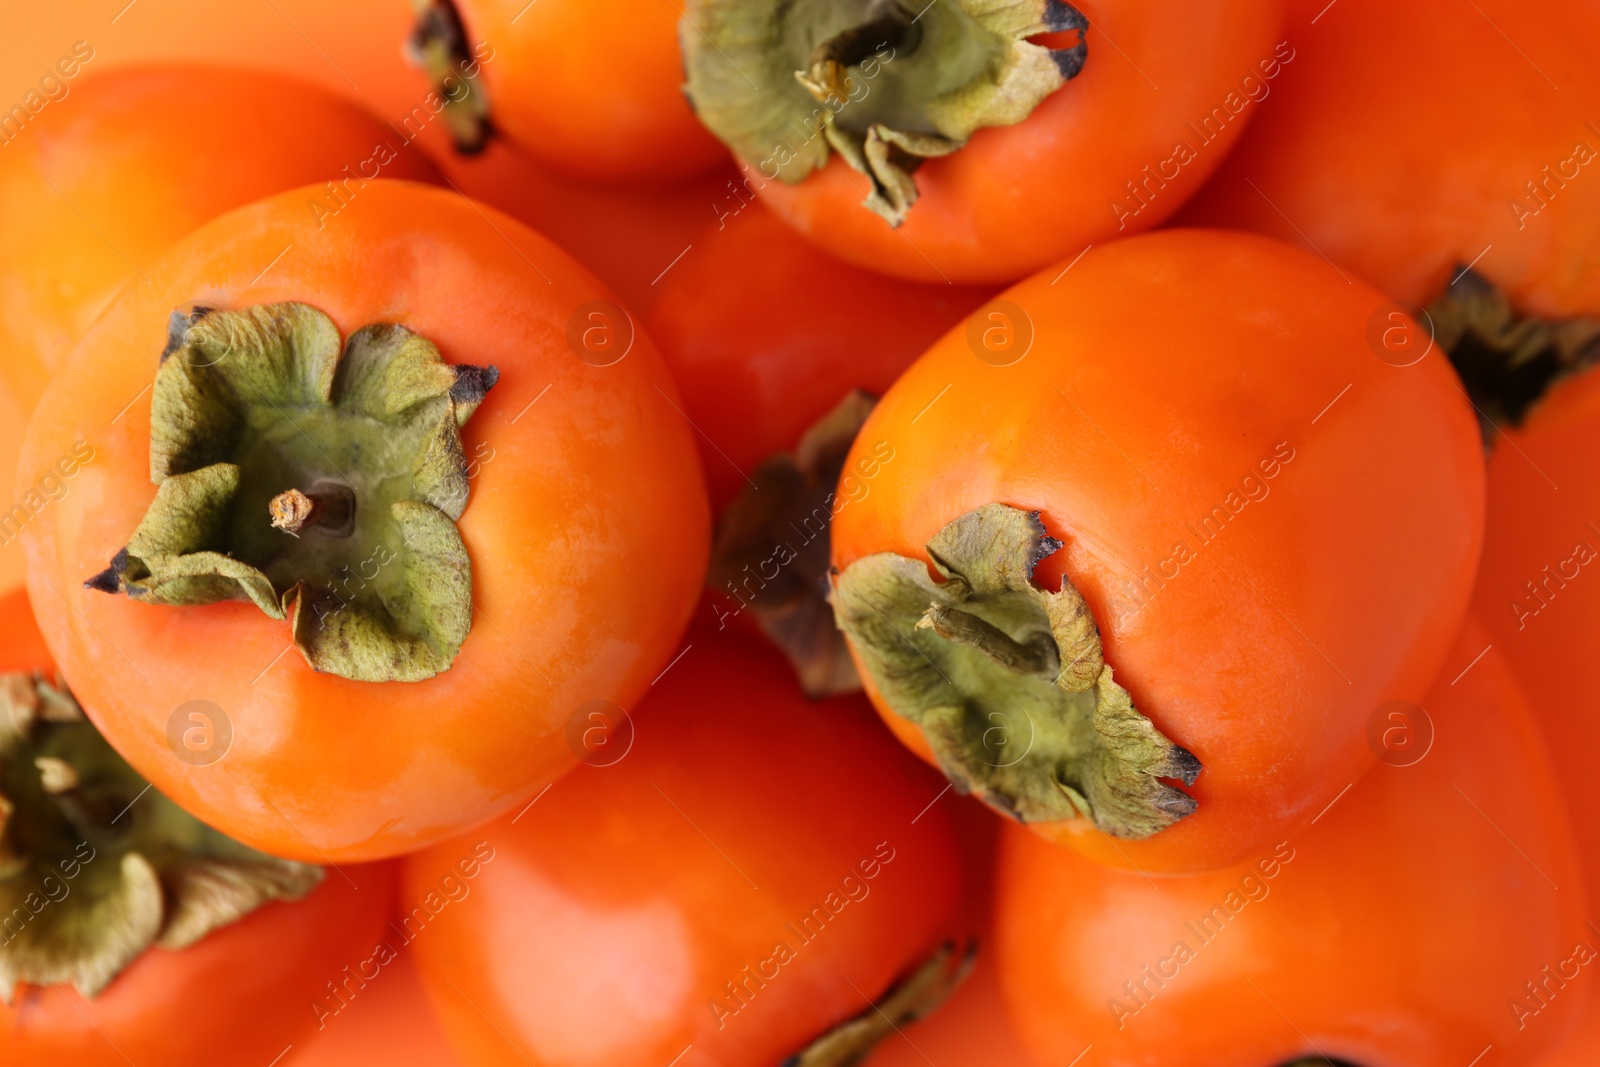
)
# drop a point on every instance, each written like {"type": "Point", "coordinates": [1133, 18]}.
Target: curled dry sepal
{"type": "Point", "coordinates": [438, 45]}
{"type": "Point", "coordinates": [1506, 360]}
{"type": "Point", "coordinates": [254, 406]}
{"type": "Point", "coordinates": [887, 83]}
{"type": "Point", "coordinates": [1008, 681]}
{"type": "Point", "coordinates": [96, 867]}
{"type": "Point", "coordinates": [910, 999]}
{"type": "Point", "coordinates": [783, 521]}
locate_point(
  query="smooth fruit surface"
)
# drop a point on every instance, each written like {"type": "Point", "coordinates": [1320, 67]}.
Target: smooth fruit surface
{"type": "Point", "coordinates": [586, 528]}
{"type": "Point", "coordinates": [1274, 529]}
{"type": "Point", "coordinates": [703, 892]}
{"type": "Point", "coordinates": [1360, 155]}
{"type": "Point", "coordinates": [99, 184]}
{"type": "Point", "coordinates": [1436, 910]}
{"type": "Point", "coordinates": [1166, 88]}
{"type": "Point", "coordinates": [549, 92]}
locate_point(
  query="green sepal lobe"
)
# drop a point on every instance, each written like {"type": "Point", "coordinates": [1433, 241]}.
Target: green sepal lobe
{"type": "Point", "coordinates": [1008, 682]}
{"type": "Point", "coordinates": [251, 404]}
{"type": "Point", "coordinates": [96, 868]}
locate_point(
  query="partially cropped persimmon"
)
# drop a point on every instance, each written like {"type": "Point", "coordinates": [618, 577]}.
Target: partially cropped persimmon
{"type": "Point", "coordinates": [94, 187]}
{"type": "Point", "coordinates": [1433, 915]}
{"type": "Point", "coordinates": [780, 351]}
{"type": "Point", "coordinates": [1140, 551]}
{"type": "Point", "coordinates": [422, 493]}
{"type": "Point", "coordinates": [1375, 152]}
{"type": "Point", "coordinates": [125, 923]}
{"type": "Point", "coordinates": [699, 891]}
{"type": "Point", "coordinates": [633, 239]}
{"type": "Point", "coordinates": [969, 141]}
{"type": "Point", "coordinates": [591, 89]}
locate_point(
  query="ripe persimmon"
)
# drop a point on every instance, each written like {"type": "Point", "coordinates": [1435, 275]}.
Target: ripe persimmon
{"type": "Point", "coordinates": [1540, 603]}
{"type": "Point", "coordinates": [633, 239]}
{"type": "Point", "coordinates": [299, 569]}
{"type": "Point", "coordinates": [126, 920]}
{"type": "Point", "coordinates": [699, 891]}
{"type": "Point", "coordinates": [1264, 527]}
{"type": "Point", "coordinates": [1435, 910]}
{"type": "Point", "coordinates": [381, 1018]}
{"type": "Point", "coordinates": [94, 187]}
{"type": "Point", "coordinates": [779, 351]}
{"type": "Point", "coordinates": [592, 90]}
{"type": "Point", "coordinates": [1500, 180]}
{"type": "Point", "coordinates": [986, 140]}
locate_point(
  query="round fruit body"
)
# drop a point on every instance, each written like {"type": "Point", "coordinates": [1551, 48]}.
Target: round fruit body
{"type": "Point", "coordinates": [1273, 529]}
{"type": "Point", "coordinates": [1165, 89]}
{"type": "Point", "coordinates": [1358, 155]}
{"type": "Point", "coordinates": [765, 334]}
{"type": "Point", "coordinates": [93, 190]}
{"type": "Point", "coordinates": [1535, 598]}
{"type": "Point", "coordinates": [633, 126]}
{"type": "Point", "coordinates": [584, 564]}
{"type": "Point", "coordinates": [632, 239]}
{"type": "Point", "coordinates": [1437, 909]}
{"type": "Point", "coordinates": [183, 1007]}
{"type": "Point", "coordinates": [378, 1022]}
{"type": "Point", "coordinates": [733, 904]}
{"type": "Point", "coordinates": [355, 49]}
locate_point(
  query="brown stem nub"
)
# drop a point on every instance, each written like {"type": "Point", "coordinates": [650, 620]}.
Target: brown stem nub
{"type": "Point", "coordinates": [329, 508]}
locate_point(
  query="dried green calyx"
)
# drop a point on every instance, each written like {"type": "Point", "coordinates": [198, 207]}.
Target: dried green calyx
{"type": "Point", "coordinates": [95, 866]}
{"type": "Point", "coordinates": [772, 546]}
{"type": "Point", "coordinates": [320, 481]}
{"type": "Point", "coordinates": [913, 998]}
{"type": "Point", "coordinates": [439, 46]}
{"type": "Point", "coordinates": [885, 83]}
{"type": "Point", "coordinates": [1506, 360]}
{"type": "Point", "coordinates": [1008, 681]}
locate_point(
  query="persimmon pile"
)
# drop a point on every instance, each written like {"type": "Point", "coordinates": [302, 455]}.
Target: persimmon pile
{"type": "Point", "coordinates": [825, 532]}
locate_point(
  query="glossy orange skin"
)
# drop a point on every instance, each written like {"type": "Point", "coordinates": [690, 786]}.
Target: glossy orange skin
{"type": "Point", "coordinates": [185, 1008]}
{"type": "Point", "coordinates": [765, 334]}
{"type": "Point", "coordinates": [1195, 359]}
{"type": "Point", "coordinates": [1543, 490]}
{"type": "Point", "coordinates": [627, 237]}
{"type": "Point", "coordinates": [390, 1023]}
{"type": "Point", "coordinates": [548, 92]}
{"type": "Point", "coordinates": [609, 542]}
{"type": "Point", "coordinates": [1363, 154]}
{"type": "Point", "coordinates": [1020, 197]}
{"type": "Point", "coordinates": [1394, 933]}
{"type": "Point", "coordinates": [615, 909]}
{"type": "Point", "coordinates": [353, 48]}
{"type": "Point", "coordinates": [101, 182]}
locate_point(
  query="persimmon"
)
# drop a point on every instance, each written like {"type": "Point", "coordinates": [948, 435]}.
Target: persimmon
{"type": "Point", "coordinates": [339, 567]}
{"type": "Point", "coordinates": [354, 48]}
{"type": "Point", "coordinates": [591, 90]}
{"type": "Point", "coordinates": [1180, 457]}
{"type": "Point", "coordinates": [698, 891]}
{"type": "Point", "coordinates": [382, 1022]}
{"type": "Point", "coordinates": [765, 334]}
{"type": "Point", "coordinates": [634, 240]}
{"type": "Point", "coordinates": [1539, 602]}
{"type": "Point", "coordinates": [779, 351]}
{"type": "Point", "coordinates": [1341, 943]}
{"type": "Point", "coordinates": [987, 141]}
{"type": "Point", "coordinates": [125, 919]}
{"type": "Point", "coordinates": [1500, 182]}
{"type": "Point", "coordinates": [92, 190]}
